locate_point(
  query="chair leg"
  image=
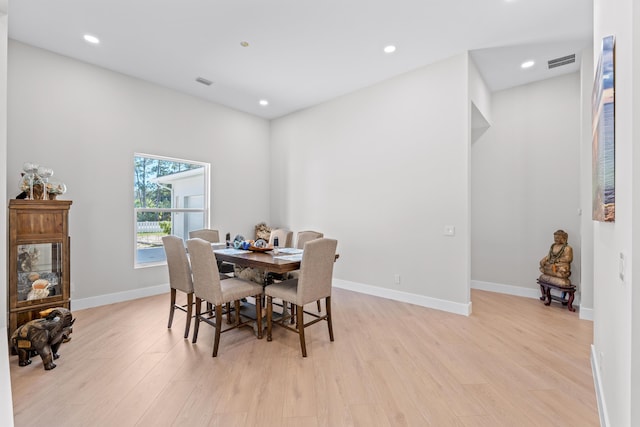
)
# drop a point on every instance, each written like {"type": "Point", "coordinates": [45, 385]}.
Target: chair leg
{"type": "Point", "coordinates": [293, 312]}
{"type": "Point", "coordinates": [196, 325]}
{"type": "Point", "coordinates": [269, 316]}
{"type": "Point", "coordinates": [216, 340]}
{"type": "Point", "coordinates": [189, 310]}
{"type": "Point", "coordinates": [319, 307]}
{"type": "Point", "coordinates": [237, 315]}
{"type": "Point", "coordinates": [258, 315]}
{"type": "Point", "coordinates": [229, 318]}
{"type": "Point", "coordinates": [172, 308]}
{"type": "Point", "coordinates": [327, 303]}
{"type": "Point", "coordinates": [300, 321]}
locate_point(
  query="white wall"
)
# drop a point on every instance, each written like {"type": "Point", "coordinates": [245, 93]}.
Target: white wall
{"type": "Point", "coordinates": [383, 170]}
{"type": "Point", "coordinates": [525, 183]}
{"type": "Point", "coordinates": [86, 123]}
{"type": "Point", "coordinates": [615, 323]}
{"type": "Point", "coordinates": [479, 93]}
{"type": "Point", "coordinates": [586, 223]}
{"type": "Point", "coordinates": [6, 401]}
{"type": "Point", "coordinates": [634, 264]}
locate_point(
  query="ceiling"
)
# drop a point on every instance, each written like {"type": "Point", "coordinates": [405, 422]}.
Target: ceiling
{"type": "Point", "coordinates": [301, 53]}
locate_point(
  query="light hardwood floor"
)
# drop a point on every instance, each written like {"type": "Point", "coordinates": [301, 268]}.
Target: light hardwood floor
{"type": "Point", "coordinates": [513, 362]}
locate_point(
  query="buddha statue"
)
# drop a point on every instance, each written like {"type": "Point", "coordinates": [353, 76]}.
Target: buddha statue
{"type": "Point", "coordinates": [556, 265]}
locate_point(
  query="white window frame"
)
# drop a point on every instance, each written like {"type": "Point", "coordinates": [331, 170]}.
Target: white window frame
{"type": "Point", "coordinates": [205, 209]}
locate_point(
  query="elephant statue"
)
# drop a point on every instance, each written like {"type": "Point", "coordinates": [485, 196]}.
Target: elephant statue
{"type": "Point", "coordinates": [43, 336]}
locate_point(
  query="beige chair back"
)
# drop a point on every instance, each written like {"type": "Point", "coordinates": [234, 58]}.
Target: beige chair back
{"type": "Point", "coordinates": [285, 237]}
{"type": "Point", "coordinates": [211, 236]}
{"type": "Point", "coordinates": [206, 278]}
{"type": "Point", "coordinates": [178, 264]}
{"type": "Point", "coordinates": [305, 236]}
{"type": "Point", "coordinates": [316, 270]}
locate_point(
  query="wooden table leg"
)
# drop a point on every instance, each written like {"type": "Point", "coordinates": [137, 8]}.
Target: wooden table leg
{"type": "Point", "coordinates": [548, 301]}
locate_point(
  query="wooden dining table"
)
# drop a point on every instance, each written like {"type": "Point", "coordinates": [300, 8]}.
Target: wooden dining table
{"type": "Point", "coordinates": [286, 260]}
{"type": "Point", "coordinates": [283, 262]}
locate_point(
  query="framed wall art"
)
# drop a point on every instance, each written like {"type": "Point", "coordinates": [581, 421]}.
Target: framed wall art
{"type": "Point", "coordinates": [603, 143]}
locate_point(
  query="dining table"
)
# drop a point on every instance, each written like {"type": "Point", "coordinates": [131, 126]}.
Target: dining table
{"type": "Point", "coordinates": [267, 260]}
{"type": "Point", "coordinates": [272, 262]}
{"type": "Point", "coordinates": [284, 261]}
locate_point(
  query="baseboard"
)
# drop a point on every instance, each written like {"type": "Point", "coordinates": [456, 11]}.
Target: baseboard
{"type": "Point", "coordinates": [421, 300]}
{"type": "Point", "coordinates": [81, 304]}
{"type": "Point", "coordinates": [506, 289]}
{"type": "Point", "coordinates": [586, 313]}
{"type": "Point", "coordinates": [602, 407]}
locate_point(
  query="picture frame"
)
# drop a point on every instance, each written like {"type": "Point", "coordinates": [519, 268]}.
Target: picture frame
{"type": "Point", "coordinates": [603, 138]}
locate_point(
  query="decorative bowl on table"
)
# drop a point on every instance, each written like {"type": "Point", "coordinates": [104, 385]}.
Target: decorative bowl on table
{"type": "Point", "coordinates": [256, 249]}
{"type": "Point", "coordinates": [259, 245]}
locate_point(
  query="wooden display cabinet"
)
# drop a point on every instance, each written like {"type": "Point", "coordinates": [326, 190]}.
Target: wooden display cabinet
{"type": "Point", "coordinates": [39, 275]}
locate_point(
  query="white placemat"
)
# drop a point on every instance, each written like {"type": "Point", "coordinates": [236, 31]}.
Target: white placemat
{"type": "Point", "coordinates": [231, 251]}
{"type": "Point", "coordinates": [296, 257]}
{"type": "Point", "coordinates": [290, 251]}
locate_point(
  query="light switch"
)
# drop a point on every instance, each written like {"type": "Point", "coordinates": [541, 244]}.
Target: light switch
{"type": "Point", "coordinates": [449, 230]}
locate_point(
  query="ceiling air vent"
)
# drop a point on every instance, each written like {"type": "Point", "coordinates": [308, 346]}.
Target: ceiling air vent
{"type": "Point", "coordinates": [204, 81]}
{"type": "Point", "coordinates": [559, 62]}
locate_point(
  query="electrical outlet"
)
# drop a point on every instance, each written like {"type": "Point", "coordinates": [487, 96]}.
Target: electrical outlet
{"type": "Point", "coordinates": [396, 278]}
{"type": "Point", "coordinates": [621, 267]}
{"type": "Point", "coordinates": [449, 230]}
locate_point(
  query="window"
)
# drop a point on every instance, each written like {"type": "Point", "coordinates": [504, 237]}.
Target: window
{"type": "Point", "coordinates": [170, 197]}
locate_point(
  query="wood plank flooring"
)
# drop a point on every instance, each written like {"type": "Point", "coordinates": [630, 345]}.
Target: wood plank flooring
{"type": "Point", "coordinates": [513, 362]}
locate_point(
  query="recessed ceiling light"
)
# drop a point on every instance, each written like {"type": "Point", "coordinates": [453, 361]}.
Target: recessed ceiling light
{"type": "Point", "coordinates": [263, 102]}
{"type": "Point", "coordinates": [91, 39]}
{"type": "Point", "coordinates": [527, 64]}
{"type": "Point", "coordinates": [244, 44]}
{"type": "Point", "coordinates": [389, 49]}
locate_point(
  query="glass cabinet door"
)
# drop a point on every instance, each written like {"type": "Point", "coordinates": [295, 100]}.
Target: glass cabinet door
{"type": "Point", "coordinates": [39, 271]}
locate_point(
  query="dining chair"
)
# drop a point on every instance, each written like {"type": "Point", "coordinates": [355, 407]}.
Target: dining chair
{"type": "Point", "coordinates": [209, 288]}
{"type": "Point", "coordinates": [285, 237]}
{"type": "Point", "coordinates": [302, 238]}
{"type": "Point", "coordinates": [212, 236]}
{"type": "Point", "coordinates": [305, 236]}
{"type": "Point", "coordinates": [285, 240]}
{"type": "Point", "coordinates": [179, 277]}
{"type": "Point", "coordinates": [314, 283]}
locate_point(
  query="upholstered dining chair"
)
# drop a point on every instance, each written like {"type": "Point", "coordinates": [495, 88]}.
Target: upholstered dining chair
{"type": "Point", "coordinates": [285, 237]}
{"type": "Point", "coordinates": [212, 236]}
{"type": "Point", "coordinates": [179, 277]}
{"type": "Point", "coordinates": [302, 238]}
{"type": "Point", "coordinates": [209, 288]}
{"type": "Point", "coordinates": [314, 283]}
{"type": "Point", "coordinates": [285, 240]}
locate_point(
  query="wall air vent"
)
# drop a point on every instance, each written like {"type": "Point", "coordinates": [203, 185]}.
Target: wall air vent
{"type": "Point", "coordinates": [559, 62]}
{"type": "Point", "coordinates": [204, 81]}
